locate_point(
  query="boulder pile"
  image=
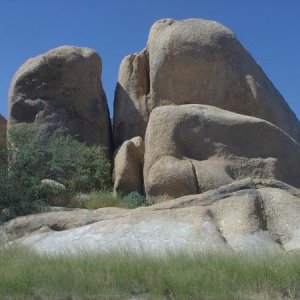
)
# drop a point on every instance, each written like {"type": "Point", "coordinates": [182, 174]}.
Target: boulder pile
{"type": "Point", "coordinates": [206, 110]}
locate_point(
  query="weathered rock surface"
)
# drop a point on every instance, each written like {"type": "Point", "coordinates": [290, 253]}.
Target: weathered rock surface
{"type": "Point", "coordinates": [61, 91]}
{"type": "Point", "coordinates": [245, 216]}
{"type": "Point", "coordinates": [193, 148]}
{"type": "Point", "coordinates": [128, 171]}
{"type": "Point", "coordinates": [194, 61]}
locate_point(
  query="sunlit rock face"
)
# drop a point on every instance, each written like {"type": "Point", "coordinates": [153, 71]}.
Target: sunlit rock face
{"type": "Point", "coordinates": [194, 148]}
{"type": "Point", "coordinates": [194, 61]}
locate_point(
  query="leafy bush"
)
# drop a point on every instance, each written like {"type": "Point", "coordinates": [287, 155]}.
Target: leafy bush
{"type": "Point", "coordinates": [33, 157]}
{"type": "Point", "coordinates": [63, 159]}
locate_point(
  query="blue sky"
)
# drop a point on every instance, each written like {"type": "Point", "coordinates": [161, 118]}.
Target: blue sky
{"type": "Point", "coordinates": [269, 29]}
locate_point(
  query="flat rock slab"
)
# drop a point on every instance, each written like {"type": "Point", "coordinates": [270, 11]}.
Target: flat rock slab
{"type": "Point", "coordinates": [246, 216]}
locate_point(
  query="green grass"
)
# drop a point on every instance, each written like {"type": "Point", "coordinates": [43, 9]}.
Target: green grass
{"type": "Point", "coordinates": [120, 276]}
{"type": "Point", "coordinates": [101, 199]}
{"type": "Point", "coordinates": [96, 200]}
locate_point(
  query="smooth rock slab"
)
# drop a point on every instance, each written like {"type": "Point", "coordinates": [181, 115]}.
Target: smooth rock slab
{"type": "Point", "coordinates": [250, 216]}
{"type": "Point", "coordinates": [156, 233]}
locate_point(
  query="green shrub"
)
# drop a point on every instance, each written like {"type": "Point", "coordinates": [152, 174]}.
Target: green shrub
{"type": "Point", "coordinates": [79, 167]}
{"type": "Point", "coordinates": [133, 200]}
{"type": "Point", "coordinates": [33, 157]}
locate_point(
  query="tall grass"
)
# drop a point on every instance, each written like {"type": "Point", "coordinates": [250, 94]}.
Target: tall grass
{"type": "Point", "coordinates": [24, 274]}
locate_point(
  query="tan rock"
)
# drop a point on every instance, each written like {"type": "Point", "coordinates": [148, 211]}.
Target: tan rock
{"type": "Point", "coordinates": [246, 216]}
{"type": "Point", "coordinates": [128, 167]}
{"type": "Point", "coordinates": [61, 91]}
{"type": "Point", "coordinates": [195, 61]}
{"type": "Point", "coordinates": [193, 148]}
{"type": "Point", "coordinates": [53, 184]}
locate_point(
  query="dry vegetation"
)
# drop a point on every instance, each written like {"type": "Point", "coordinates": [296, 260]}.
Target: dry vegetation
{"type": "Point", "coordinates": [25, 275]}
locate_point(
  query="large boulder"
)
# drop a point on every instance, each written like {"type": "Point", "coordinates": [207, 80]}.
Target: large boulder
{"type": "Point", "coordinates": [194, 148]}
{"type": "Point", "coordinates": [194, 61]}
{"type": "Point", "coordinates": [128, 167]}
{"type": "Point", "coordinates": [61, 91]}
{"type": "Point", "coordinates": [245, 216]}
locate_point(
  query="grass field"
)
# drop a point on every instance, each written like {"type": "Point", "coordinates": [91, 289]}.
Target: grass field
{"type": "Point", "coordinates": [24, 275]}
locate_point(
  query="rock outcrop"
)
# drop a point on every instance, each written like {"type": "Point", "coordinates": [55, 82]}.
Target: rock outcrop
{"type": "Point", "coordinates": [61, 91]}
{"type": "Point", "coordinates": [193, 148]}
{"type": "Point", "coordinates": [197, 126]}
{"type": "Point", "coordinates": [128, 171]}
{"type": "Point", "coordinates": [245, 216]}
{"type": "Point", "coordinates": [194, 61]}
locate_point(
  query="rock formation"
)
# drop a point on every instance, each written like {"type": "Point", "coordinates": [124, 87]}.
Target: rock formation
{"type": "Point", "coordinates": [194, 61]}
{"type": "Point", "coordinates": [194, 148]}
{"type": "Point", "coordinates": [61, 91]}
{"type": "Point", "coordinates": [197, 126]}
{"type": "Point", "coordinates": [245, 216]}
{"type": "Point", "coordinates": [191, 149]}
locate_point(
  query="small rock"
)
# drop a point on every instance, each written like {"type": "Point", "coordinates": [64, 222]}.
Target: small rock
{"type": "Point", "coordinates": [54, 184]}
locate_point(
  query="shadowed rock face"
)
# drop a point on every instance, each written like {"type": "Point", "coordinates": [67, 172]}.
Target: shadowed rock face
{"type": "Point", "coordinates": [194, 148]}
{"type": "Point", "coordinates": [194, 61]}
{"type": "Point", "coordinates": [61, 91]}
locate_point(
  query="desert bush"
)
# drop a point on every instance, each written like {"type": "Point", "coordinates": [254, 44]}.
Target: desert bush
{"type": "Point", "coordinates": [134, 200]}
{"type": "Point", "coordinates": [63, 159]}
{"type": "Point", "coordinates": [32, 157]}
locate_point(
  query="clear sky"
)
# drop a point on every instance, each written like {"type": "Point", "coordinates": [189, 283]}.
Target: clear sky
{"type": "Point", "coordinates": [269, 29]}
